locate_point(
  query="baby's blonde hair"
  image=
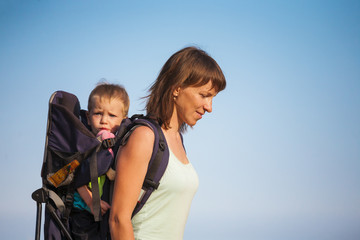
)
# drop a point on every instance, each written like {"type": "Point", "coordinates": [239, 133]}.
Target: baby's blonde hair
{"type": "Point", "coordinates": [110, 91]}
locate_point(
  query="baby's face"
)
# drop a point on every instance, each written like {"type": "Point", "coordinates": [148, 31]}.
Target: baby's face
{"type": "Point", "coordinates": [106, 114]}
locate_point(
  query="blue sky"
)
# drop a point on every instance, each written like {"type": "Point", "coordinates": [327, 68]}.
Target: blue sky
{"type": "Point", "coordinates": [279, 156]}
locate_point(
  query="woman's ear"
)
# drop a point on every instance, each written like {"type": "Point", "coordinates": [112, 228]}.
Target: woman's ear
{"type": "Point", "coordinates": [176, 92]}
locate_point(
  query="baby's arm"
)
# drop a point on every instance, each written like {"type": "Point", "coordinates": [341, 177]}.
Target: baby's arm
{"type": "Point", "coordinates": [86, 195]}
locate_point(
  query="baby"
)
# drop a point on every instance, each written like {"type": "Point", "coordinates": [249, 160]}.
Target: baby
{"type": "Point", "coordinates": [108, 105]}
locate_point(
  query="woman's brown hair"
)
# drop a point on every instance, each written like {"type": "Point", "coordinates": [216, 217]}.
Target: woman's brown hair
{"type": "Point", "coordinates": [190, 66]}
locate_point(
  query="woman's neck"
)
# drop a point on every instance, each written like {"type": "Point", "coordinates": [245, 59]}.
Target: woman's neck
{"type": "Point", "coordinates": [174, 124]}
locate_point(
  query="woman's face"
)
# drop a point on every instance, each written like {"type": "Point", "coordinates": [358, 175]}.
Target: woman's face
{"type": "Point", "coordinates": [191, 103]}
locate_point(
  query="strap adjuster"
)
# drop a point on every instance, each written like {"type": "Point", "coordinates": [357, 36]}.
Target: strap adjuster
{"type": "Point", "coordinates": [108, 143]}
{"type": "Point", "coordinates": [69, 199]}
{"type": "Point", "coordinates": [151, 184]}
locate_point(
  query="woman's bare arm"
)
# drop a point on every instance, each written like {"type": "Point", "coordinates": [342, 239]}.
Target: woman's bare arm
{"type": "Point", "coordinates": [132, 164]}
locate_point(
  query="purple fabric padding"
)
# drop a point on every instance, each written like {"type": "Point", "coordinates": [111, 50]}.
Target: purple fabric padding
{"type": "Point", "coordinates": [51, 228]}
{"type": "Point", "coordinates": [82, 177]}
{"type": "Point", "coordinates": [65, 135]}
{"type": "Point", "coordinates": [68, 135]}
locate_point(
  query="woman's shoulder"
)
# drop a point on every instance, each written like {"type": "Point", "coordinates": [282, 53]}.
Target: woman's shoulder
{"type": "Point", "coordinates": [142, 134]}
{"type": "Point", "coordinates": [139, 144]}
{"type": "Point", "coordinates": [143, 131]}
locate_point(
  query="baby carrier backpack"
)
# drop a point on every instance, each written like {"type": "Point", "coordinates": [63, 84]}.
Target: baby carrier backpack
{"type": "Point", "coordinates": [74, 156]}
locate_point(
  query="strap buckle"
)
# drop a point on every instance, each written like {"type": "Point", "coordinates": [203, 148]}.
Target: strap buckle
{"type": "Point", "coordinates": [148, 183]}
{"type": "Point", "coordinates": [108, 143]}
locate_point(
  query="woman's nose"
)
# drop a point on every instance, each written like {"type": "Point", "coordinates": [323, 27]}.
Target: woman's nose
{"type": "Point", "coordinates": [208, 106]}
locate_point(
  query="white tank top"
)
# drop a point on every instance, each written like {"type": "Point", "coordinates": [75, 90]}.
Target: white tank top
{"type": "Point", "coordinates": [164, 215]}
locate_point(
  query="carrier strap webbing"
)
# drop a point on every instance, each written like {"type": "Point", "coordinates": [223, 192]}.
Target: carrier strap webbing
{"type": "Point", "coordinates": [69, 200]}
{"type": "Point", "coordinates": [95, 185]}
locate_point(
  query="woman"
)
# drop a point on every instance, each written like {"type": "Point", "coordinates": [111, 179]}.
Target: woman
{"type": "Point", "coordinates": [180, 96]}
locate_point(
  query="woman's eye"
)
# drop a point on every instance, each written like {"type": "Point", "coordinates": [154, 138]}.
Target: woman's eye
{"type": "Point", "coordinates": [207, 95]}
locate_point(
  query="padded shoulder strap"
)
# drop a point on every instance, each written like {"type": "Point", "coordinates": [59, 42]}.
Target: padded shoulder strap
{"type": "Point", "coordinates": [152, 177]}
{"type": "Point", "coordinates": [157, 165]}
{"type": "Point", "coordinates": [159, 158]}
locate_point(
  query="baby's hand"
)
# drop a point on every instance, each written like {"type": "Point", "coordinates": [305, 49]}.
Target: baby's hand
{"type": "Point", "coordinates": [104, 207]}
